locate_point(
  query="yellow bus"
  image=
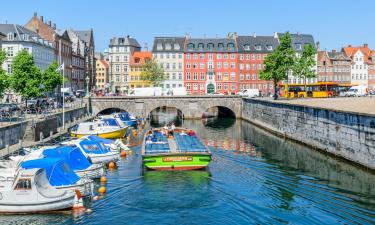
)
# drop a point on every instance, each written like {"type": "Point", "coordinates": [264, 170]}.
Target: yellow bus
{"type": "Point", "coordinates": [314, 90]}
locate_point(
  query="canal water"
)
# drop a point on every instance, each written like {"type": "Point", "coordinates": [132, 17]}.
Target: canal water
{"type": "Point", "coordinates": [254, 178]}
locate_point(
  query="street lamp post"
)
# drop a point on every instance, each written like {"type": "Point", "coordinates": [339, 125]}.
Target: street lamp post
{"type": "Point", "coordinates": [87, 86]}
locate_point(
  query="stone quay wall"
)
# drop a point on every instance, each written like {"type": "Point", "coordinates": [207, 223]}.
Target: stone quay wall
{"type": "Point", "coordinates": [344, 134]}
{"type": "Point", "coordinates": [12, 134]}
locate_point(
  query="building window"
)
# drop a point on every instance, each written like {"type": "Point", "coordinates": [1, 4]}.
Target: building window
{"type": "Point", "coordinates": [190, 47]}
{"type": "Point", "coordinates": [225, 65]}
{"type": "Point", "coordinates": [232, 56]}
{"type": "Point", "coordinates": [180, 66]}
{"type": "Point", "coordinates": [232, 76]}
{"type": "Point", "coordinates": [187, 56]}
{"type": "Point", "coordinates": [187, 65]}
{"type": "Point", "coordinates": [201, 66]}
{"type": "Point", "coordinates": [258, 47]}
{"type": "Point", "coordinates": [241, 57]}
{"type": "Point", "coordinates": [225, 86]}
{"type": "Point", "coordinates": [195, 56]}
{"type": "Point", "coordinates": [210, 56]}
{"type": "Point", "coordinates": [200, 46]}
{"type": "Point", "coordinates": [246, 47]}
{"type": "Point", "coordinates": [10, 36]}
{"type": "Point", "coordinates": [219, 76]}
{"type": "Point", "coordinates": [218, 55]}
{"type": "Point", "coordinates": [188, 87]}
{"type": "Point", "coordinates": [230, 46]}
{"type": "Point", "coordinates": [247, 76]}
{"type": "Point", "coordinates": [219, 65]}
{"type": "Point", "coordinates": [9, 68]}
{"type": "Point", "coordinates": [125, 68]}
{"type": "Point", "coordinates": [201, 87]}
{"type": "Point", "coordinates": [269, 47]}
{"type": "Point", "coordinates": [117, 68]}
{"type": "Point", "coordinates": [225, 55]}
{"type": "Point", "coordinates": [180, 76]}
{"type": "Point", "coordinates": [195, 65]}
{"type": "Point", "coordinates": [10, 51]}
{"type": "Point", "coordinates": [202, 76]}
{"type": "Point", "coordinates": [233, 87]}
{"type": "Point", "coordinates": [242, 76]}
{"type": "Point", "coordinates": [195, 87]}
{"type": "Point", "coordinates": [195, 76]}
{"type": "Point", "coordinates": [232, 65]}
{"type": "Point", "coordinates": [201, 55]}
{"type": "Point", "coordinates": [298, 46]}
{"type": "Point", "coordinates": [254, 76]}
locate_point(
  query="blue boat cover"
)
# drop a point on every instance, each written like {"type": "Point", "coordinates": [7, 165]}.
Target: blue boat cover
{"type": "Point", "coordinates": [98, 139]}
{"type": "Point", "coordinates": [57, 170]}
{"type": "Point", "coordinates": [72, 155]}
{"type": "Point", "coordinates": [93, 147]}
{"type": "Point", "coordinates": [126, 117]}
{"type": "Point", "coordinates": [110, 122]}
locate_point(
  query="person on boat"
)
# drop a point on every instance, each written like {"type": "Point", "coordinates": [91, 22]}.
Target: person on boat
{"type": "Point", "coordinates": [171, 129]}
{"type": "Point", "coordinates": [191, 133]}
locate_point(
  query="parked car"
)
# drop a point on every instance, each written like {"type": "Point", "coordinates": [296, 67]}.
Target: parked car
{"type": "Point", "coordinates": [371, 92]}
{"type": "Point", "coordinates": [69, 97]}
{"type": "Point", "coordinates": [80, 93]}
{"type": "Point", "coordinates": [250, 93]}
{"type": "Point", "coordinates": [357, 91]}
{"type": "Point", "coordinates": [216, 93]}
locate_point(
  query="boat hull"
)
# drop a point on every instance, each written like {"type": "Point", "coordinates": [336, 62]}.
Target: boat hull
{"type": "Point", "coordinates": [104, 158]}
{"type": "Point", "coordinates": [48, 206]}
{"type": "Point", "coordinates": [93, 172]}
{"type": "Point", "coordinates": [110, 135]}
{"type": "Point", "coordinates": [178, 161]}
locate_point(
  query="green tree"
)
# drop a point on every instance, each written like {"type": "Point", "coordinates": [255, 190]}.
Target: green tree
{"type": "Point", "coordinates": [4, 78]}
{"type": "Point", "coordinates": [279, 63]}
{"type": "Point", "coordinates": [26, 77]}
{"type": "Point", "coordinates": [152, 73]}
{"type": "Point", "coordinates": [304, 65]}
{"type": "Point", "coordinates": [51, 78]}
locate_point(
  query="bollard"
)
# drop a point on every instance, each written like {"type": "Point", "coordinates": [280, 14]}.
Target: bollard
{"type": "Point", "coordinates": [41, 136]}
{"type": "Point", "coordinates": [20, 143]}
{"type": "Point", "coordinates": [51, 133]}
{"type": "Point", "coordinates": [7, 147]}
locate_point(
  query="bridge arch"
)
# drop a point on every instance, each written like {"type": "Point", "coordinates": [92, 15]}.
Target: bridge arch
{"type": "Point", "coordinates": [108, 111]}
{"type": "Point", "coordinates": [219, 111]}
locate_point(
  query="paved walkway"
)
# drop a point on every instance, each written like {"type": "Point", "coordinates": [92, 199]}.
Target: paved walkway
{"type": "Point", "coordinates": [364, 105]}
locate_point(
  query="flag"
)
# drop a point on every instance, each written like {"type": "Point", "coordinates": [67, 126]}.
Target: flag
{"type": "Point", "coordinates": [61, 67]}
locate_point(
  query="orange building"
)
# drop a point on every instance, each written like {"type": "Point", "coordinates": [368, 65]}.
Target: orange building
{"type": "Point", "coordinates": [138, 59]}
{"type": "Point", "coordinates": [102, 75]}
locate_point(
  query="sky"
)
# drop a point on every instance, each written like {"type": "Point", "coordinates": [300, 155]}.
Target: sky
{"type": "Point", "coordinates": [334, 23]}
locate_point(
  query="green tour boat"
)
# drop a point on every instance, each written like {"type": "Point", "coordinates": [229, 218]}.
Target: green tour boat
{"type": "Point", "coordinates": [179, 149]}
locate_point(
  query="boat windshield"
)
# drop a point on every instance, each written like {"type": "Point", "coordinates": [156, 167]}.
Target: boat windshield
{"type": "Point", "coordinates": [110, 122]}
{"type": "Point", "coordinates": [93, 147]}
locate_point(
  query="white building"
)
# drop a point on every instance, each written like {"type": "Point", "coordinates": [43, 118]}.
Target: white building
{"type": "Point", "coordinates": [359, 71]}
{"type": "Point", "coordinates": [120, 51]}
{"type": "Point", "coordinates": [169, 54]}
{"type": "Point", "coordinates": [19, 38]}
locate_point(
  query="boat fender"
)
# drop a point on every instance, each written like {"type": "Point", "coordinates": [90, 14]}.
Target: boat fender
{"type": "Point", "coordinates": [78, 202]}
{"type": "Point", "coordinates": [172, 166]}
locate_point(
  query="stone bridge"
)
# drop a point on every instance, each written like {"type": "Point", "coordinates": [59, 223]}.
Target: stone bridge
{"type": "Point", "coordinates": [192, 107]}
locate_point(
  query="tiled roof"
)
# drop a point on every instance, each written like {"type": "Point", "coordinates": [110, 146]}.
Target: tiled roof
{"type": "Point", "coordinates": [18, 32]}
{"type": "Point", "coordinates": [351, 51]}
{"type": "Point", "coordinates": [257, 43]}
{"type": "Point", "coordinates": [168, 44]}
{"type": "Point", "coordinates": [141, 56]}
{"type": "Point", "coordinates": [302, 39]}
{"type": "Point", "coordinates": [105, 64]}
{"type": "Point", "coordinates": [211, 45]}
{"type": "Point", "coordinates": [124, 41]}
{"type": "Point", "coordinates": [338, 56]}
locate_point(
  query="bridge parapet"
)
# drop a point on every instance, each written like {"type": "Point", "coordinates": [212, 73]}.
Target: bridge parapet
{"type": "Point", "coordinates": [192, 107]}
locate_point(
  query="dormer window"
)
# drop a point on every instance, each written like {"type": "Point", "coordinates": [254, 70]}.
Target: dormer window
{"type": "Point", "coordinates": [168, 46]}
{"type": "Point", "coordinates": [176, 46]}
{"type": "Point", "coordinates": [298, 46]}
{"type": "Point", "coordinates": [200, 46]}
{"type": "Point", "coordinates": [230, 46]}
{"type": "Point", "coordinates": [25, 37]}
{"type": "Point", "coordinates": [190, 47]}
{"type": "Point", "coordinates": [220, 46]}
{"type": "Point", "coordinates": [210, 46]}
{"type": "Point", "coordinates": [137, 60]}
{"type": "Point", "coordinates": [258, 47]}
{"type": "Point", "coordinates": [159, 46]}
{"type": "Point", "coordinates": [246, 47]}
{"type": "Point", "coordinates": [10, 36]}
{"type": "Point", "coordinates": [269, 47]}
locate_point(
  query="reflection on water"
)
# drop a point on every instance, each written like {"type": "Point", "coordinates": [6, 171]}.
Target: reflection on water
{"type": "Point", "coordinates": [254, 178]}
{"type": "Point", "coordinates": [165, 115]}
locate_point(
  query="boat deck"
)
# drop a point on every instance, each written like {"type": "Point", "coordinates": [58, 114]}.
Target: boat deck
{"type": "Point", "coordinates": [179, 143]}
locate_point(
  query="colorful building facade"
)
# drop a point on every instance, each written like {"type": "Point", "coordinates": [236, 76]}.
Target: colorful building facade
{"type": "Point", "coordinates": [137, 61]}
{"type": "Point", "coordinates": [102, 75]}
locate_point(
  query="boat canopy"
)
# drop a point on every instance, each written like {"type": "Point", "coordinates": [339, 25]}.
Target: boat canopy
{"type": "Point", "coordinates": [93, 147]}
{"type": "Point", "coordinates": [110, 122]}
{"type": "Point", "coordinates": [126, 116]}
{"type": "Point", "coordinates": [72, 155]}
{"type": "Point", "coordinates": [57, 170]}
{"type": "Point", "coordinates": [99, 139]}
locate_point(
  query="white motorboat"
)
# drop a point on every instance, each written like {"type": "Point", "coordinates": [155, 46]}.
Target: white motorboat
{"type": "Point", "coordinates": [105, 128]}
{"type": "Point", "coordinates": [115, 117]}
{"type": "Point", "coordinates": [115, 145]}
{"type": "Point", "coordinates": [51, 166]}
{"type": "Point", "coordinates": [31, 189]}
{"type": "Point", "coordinates": [96, 151]}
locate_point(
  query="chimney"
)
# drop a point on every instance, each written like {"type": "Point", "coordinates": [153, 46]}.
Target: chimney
{"type": "Point", "coordinates": [49, 23]}
{"type": "Point", "coordinates": [41, 18]}
{"type": "Point", "coordinates": [254, 34]}
{"type": "Point", "coordinates": [35, 14]}
{"type": "Point", "coordinates": [54, 26]}
{"type": "Point", "coordinates": [317, 45]}
{"type": "Point", "coordinates": [333, 50]}
{"type": "Point", "coordinates": [365, 45]}
{"type": "Point", "coordinates": [349, 46]}
{"type": "Point", "coordinates": [128, 36]}
{"type": "Point", "coordinates": [275, 35]}
{"type": "Point", "coordinates": [234, 35]}
{"type": "Point", "coordinates": [145, 48]}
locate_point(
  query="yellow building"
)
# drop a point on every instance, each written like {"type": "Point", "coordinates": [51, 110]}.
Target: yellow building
{"type": "Point", "coordinates": [136, 63]}
{"type": "Point", "coordinates": [102, 75]}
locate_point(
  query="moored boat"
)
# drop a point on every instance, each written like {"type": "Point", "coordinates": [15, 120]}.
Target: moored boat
{"type": "Point", "coordinates": [31, 191]}
{"type": "Point", "coordinates": [95, 150]}
{"type": "Point", "coordinates": [181, 151]}
{"type": "Point", "coordinates": [127, 118]}
{"type": "Point", "coordinates": [105, 128]}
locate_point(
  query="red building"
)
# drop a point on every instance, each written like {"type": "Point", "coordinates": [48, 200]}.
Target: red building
{"type": "Point", "coordinates": [251, 53]}
{"type": "Point", "coordinates": [211, 65]}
